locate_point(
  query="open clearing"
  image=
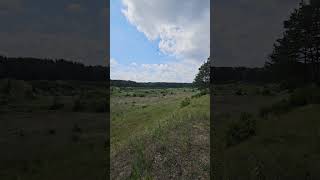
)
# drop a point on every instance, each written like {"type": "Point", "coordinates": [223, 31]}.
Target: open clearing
{"type": "Point", "coordinates": [159, 133]}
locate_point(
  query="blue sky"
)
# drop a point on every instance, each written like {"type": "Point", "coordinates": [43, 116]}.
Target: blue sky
{"type": "Point", "coordinates": [127, 43]}
{"type": "Point", "coordinates": [153, 42]}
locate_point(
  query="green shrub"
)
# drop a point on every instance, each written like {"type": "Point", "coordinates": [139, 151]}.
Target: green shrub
{"type": "Point", "coordinates": [101, 106]}
{"type": "Point", "coordinates": [29, 94]}
{"type": "Point", "coordinates": [239, 131]}
{"type": "Point", "coordinates": [266, 92]}
{"type": "Point", "coordinates": [185, 102]}
{"type": "Point", "coordinates": [298, 98]}
{"type": "Point", "coordinates": [56, 104]}
{"type": "Point", "coordinates": [76, 128]}
{"type": "Point", "coordinates": [277, 108]}
{"type": "Point", "coordinates": [239, 92]}
{"type": "Point", "coordinates": [4, 100]}
{"type": "Point", "coordinates": [52, 131]}
{"type": "Point", "coordinates": [201, 93]}
{"type": "Point", "coordinates": [78, 105]}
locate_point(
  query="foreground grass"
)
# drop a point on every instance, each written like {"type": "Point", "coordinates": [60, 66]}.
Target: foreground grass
{"type": "Point", "coordinates": [172, 141]}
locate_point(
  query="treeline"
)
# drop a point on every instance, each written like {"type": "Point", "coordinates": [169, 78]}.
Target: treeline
{"type": "Point", "coordinates": [235, 74]}
{"type": "Point", "coordinates": [123, 83]}
{"type": "Point", "coordinates": [49, 69]}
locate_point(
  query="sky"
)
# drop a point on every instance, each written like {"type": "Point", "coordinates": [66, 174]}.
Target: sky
{"type": "Point", "coordinates": [158, 41]}
{"type": "Point", "coordinates": [244, 30]}
{"type": "Point", "coordinates": [151, 40]}
{"type": "Point", "coordinates": [70, 29]}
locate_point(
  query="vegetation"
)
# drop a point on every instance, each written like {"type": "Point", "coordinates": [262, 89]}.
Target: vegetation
{"type": "Point", "coordinates": [162, 134]}
{"type": "Point", "coordinates": [267, 118]}
{"type": "Point", "coordinates": [41, 133]}
{"type": "Point", "coordinates": [202, 79]}
{"type": "Point", "coordinates": [48, 69]}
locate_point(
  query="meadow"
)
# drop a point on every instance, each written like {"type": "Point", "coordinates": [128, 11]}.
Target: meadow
{"type": "Point", "coordinates": [53, 130]}
{"type": "Point", "coordinates": [267, 131]}
{"type": "Point", "coordinates": [159, 133]}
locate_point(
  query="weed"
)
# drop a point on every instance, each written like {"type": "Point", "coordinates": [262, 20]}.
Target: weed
{"type": "Point", "coordinates": [57, 104]}
{"type": "Point", "coordinates": [101, 106]}
{"type": "Point", "coordinates": [78, 105]}
{"type": "Point", "coordinates": [239, 92]}
{"type": "Point", "coordinates": [266, 92]}
{"type": "Point", "coordinates": [185, 102]}
{"type": "Point", "coordinates": [241, 130]}
{"type": "Point", "coordinates": [76, 128]}
{"type": "Point", "coordinates": [75, 138]}
{"type": "Point", "coordinates": [140, 165]}
{"type": "Point", "coordinates": [52, 131]}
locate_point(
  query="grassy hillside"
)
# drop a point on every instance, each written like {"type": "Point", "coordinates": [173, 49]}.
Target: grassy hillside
{"type": "Point", "coordinates": [159, 133]}
{"type": "Point", "coordinates": [52, 130]}
{"type": "Point", "coordinates": [267, 132]}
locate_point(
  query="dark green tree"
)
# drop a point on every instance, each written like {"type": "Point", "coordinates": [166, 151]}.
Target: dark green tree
{"type": "Point", "coordinates": [295, 56]}
{"type": "Point", "coordinates": [202, 79]}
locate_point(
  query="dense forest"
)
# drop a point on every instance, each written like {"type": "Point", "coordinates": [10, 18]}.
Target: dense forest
{"type": "Point", "coordinates": [49, 69]}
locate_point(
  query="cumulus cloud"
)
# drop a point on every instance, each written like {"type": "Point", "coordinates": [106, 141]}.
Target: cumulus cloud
{"type": "Point", "coordinates": [182, 30]}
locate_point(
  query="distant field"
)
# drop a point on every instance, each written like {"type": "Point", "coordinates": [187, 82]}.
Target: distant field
{"type": "Point", "coordinates": [267, 132]}
{"type": "Point", "coordinates": [52, 130]}
{"type": "Point", "coordinates": [159, 133]}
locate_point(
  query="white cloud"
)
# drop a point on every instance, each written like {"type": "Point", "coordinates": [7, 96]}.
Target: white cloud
{"type": "Point", "coordinates": [113, 62]}
{"type": "Point", "coordinates": [183, 31]}
{"type": "Point", "coordinates": [183, 28]}
{"type": "Point", "coordinates": [166, 72]}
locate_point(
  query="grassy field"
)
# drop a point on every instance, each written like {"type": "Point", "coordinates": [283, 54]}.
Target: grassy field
{"type": "Point", "coordinates": [159, 133]}
{"type": "Point", "coordinates": [266, 132]}
{"type": "Point", "coordinates": [52, 130]}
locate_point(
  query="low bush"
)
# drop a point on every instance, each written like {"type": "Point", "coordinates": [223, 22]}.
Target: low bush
{"type": "Point", "coordinates": [239, 92]}
{"type": "Point", "coordinates": [299, 97]}
{"type": "Point", "coordinates": [266, 92]}
{"type": "Point", "coordinates": [76, 128]}
{"type": "Point", "coordinates": [185, 102]}
{"type": "Point", "coordinates": [56, 104]}
{"type": "Point", "coordinates": [277, 108]}
{"type": "Point", "coordinates": [239, 131]}
{"type": "Point", "coordinates": [52, 131]}
{"type": "Point", "coordinates": [201, 93]}
{"type": "Point", "coordinates": [78, 105]}
{"type": "Point", "coordinates": [101, 106]}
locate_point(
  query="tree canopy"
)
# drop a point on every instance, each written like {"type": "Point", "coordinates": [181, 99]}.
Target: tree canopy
{"type": "Point", "coordinates": [48, 69]}
{"type": "Point", "coordinates": [296, 55]}
{"type": "Point", "coordinates": [202, 79]}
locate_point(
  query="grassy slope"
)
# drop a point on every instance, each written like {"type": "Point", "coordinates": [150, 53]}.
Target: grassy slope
{"type": "Point", "coordinates": [286, 145]}
{"type": "Point", "coordinates": [39, 143]}
{"type": "Point", "coordinates": [166, 141]}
